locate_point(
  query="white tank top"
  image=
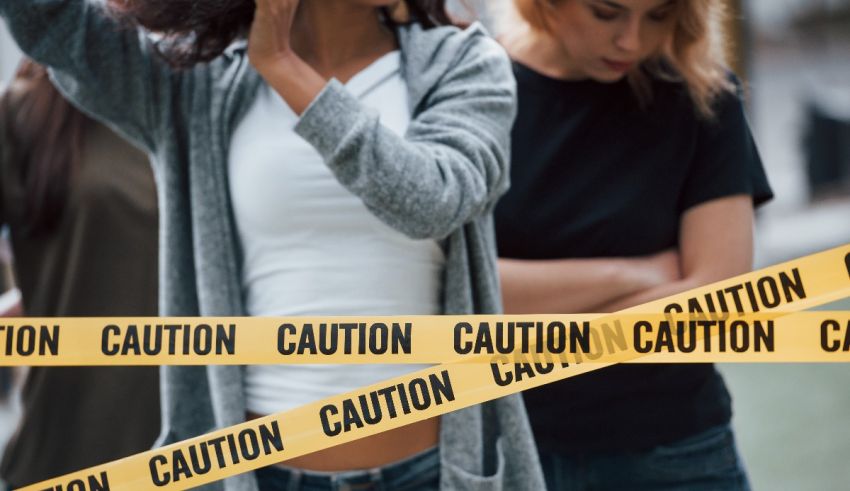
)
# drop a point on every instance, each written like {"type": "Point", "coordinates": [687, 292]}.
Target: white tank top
{"type": "Point", "coordinates": [311, 247]}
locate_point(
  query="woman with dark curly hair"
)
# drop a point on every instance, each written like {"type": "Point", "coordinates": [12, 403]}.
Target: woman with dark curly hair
{"type": "Point", "coordinates": [346, 160]}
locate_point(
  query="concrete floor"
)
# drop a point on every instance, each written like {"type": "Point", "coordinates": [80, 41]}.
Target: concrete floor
{"type": "Point", "coordinates": [792, 424]}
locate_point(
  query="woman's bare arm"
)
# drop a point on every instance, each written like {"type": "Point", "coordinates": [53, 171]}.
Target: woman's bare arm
{"type": "Point", "coordinates": [716, 242]}
{"type": "Point", "coordinates": [580, 285]}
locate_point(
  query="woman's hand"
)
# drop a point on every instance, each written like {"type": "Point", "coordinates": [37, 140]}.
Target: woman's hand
{"type": "Point", "coordinates": [583, 284]}
{"type": "Point", "coordinates": [270, 51]}
{"type": "Point", "coordinates": [662, 268]}
{"type": "Point", "coordinates": [715, 243]}
{"type": "Point", "coordinates": [269, 42]}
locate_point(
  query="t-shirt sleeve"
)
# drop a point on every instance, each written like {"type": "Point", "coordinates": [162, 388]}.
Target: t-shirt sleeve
{"type": "Point", "coordinates": [726, 161]}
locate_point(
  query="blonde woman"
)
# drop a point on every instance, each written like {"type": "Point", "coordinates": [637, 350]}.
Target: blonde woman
{"type": "Point", "coordinates": [634, 176]}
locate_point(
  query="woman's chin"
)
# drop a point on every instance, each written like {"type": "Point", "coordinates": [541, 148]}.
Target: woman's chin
{"type": "Point", "coordinates": [608, 76]}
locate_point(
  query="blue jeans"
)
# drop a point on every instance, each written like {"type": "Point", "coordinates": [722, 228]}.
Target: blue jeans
{"type": "Point", "coordinates": [420, 472]}
{"type": "Point", "coordinates": [707, 461]}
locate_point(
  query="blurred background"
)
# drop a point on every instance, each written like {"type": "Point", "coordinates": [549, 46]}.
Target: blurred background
{"type": "Point", "coordinates": [791, 420]}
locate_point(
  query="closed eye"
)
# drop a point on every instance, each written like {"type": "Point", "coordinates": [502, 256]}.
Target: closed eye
{"type": "Point", "coordinates": [605, 10]}
{"type": "Point", "coordinates": [604, 14]}
{"type": "Point", "coordinates": [662, 13]}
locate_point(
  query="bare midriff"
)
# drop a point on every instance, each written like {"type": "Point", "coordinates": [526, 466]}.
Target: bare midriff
{"type": "Point", "coordinates": [370, 452]}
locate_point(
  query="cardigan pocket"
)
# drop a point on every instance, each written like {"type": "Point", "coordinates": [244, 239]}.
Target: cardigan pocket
{"type": "Point", "coordinates": [456, 478]}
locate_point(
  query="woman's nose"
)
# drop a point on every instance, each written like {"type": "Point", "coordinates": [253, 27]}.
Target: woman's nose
{"type": "Point", "coordinates": [629, 38]}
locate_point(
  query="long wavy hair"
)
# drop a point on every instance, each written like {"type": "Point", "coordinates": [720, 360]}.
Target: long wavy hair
{"type": "Point", "coordinates": [47, 135]}
{"type": "Point", "coordinates": [695, 53]}
{"type": "Point", "coordinates": [195, 31]}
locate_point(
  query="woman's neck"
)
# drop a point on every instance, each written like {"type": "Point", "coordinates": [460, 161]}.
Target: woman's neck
{"type": "Point", "coordinates": [338, 38]}
{"type": "Point", "coordinates": [540, 52]}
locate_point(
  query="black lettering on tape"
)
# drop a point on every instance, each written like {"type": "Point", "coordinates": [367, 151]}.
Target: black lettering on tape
{"type": "Point", "coordinates": [324, 415]}
{"type": "Point", "coordinates": [30, 340]}
{"type": "Point", "coordinates": [197, 459]}
{"type": "Point", "coordinates": [159, 476]}
{"type": "Point", "coordinates": [418, 394]}
{"type": "Point", "coordinates": [521, 338]}
{"type": "Point", "coordinates": [148, 340]}
{"type": "Point", "coordinates": [285, 347]}
{"type": "Point", "coordinates": [717, 335]}
{"type": "Point", "coordinates": [249, 447]}
{"type": "Point", "coordinates": [750, 296]}
{"type": "Point", "coordinates": [98, 482]}
{"type": "Point", "coordinates": [505, 373]}
{"type": "Point", "coordinates": [640, 345]}
{"type": "Point", "coordinates": [462, 347]}
{"type": "Point", "coordinates": [769, 292]}
{"type": "Point", "coordinates": [373, 339]}
{"type": "Point", "coordinates": [834, 338]}
{"type": "Point", "coordinates": [792, 287]}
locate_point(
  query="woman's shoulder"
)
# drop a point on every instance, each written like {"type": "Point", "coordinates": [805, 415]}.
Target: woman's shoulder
{"type": "Point", "coordinates": [451, 45]}
{"type": "Point", "coordinates": [452, 55]}
{"type": "Point", "coordinates": [669, 87]}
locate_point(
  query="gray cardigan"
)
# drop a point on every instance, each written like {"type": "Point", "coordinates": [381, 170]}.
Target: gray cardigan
{"type": "Point", "coordinates": [440, 181]}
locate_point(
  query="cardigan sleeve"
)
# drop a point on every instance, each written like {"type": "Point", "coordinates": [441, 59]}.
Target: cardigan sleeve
{"type": "Point", "coordinates": [108, 71]}
{"type": "Point", "coordinates": [452, 164]}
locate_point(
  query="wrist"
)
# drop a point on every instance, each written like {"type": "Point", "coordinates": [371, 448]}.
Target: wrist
{"type": "Point", "coordinates": [293, 79]}
{"type": "Point", "coordinates": [269, 64]}
{"type": "Point", "coordinates": [637, 274]}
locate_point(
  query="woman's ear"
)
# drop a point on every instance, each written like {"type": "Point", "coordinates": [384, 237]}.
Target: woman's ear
{"type": "Point", "coordinates": [399, 13]}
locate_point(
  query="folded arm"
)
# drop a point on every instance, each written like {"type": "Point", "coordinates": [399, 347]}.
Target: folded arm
{"type": "Point", "coordinates": [715, 243]}
{"type": "Point", "coordinates": [580, 285]}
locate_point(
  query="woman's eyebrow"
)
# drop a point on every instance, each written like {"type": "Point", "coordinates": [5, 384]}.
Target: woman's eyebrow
{"type": "Point", "coordinates": [612, 4]}
{"type": "Point", "coordinates": [618, 6]}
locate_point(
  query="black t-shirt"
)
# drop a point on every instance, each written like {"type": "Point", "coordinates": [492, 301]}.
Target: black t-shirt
{"type": "Point", "coordinates": [595, 175]}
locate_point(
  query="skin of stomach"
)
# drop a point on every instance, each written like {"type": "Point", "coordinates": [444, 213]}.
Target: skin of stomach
{"type": "Point", "coordinates": [370, 452]}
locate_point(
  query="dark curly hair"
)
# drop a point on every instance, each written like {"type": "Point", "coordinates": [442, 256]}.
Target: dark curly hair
{"type": "Point", "coordinates": [195, 31]}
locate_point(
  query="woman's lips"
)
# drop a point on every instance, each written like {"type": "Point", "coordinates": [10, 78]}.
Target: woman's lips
{"type": "Point", "coordinates": [618, 66]}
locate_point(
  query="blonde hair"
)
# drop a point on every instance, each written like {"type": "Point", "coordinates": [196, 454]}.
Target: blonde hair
{"type": "Point", "coordinates": [695, 53]}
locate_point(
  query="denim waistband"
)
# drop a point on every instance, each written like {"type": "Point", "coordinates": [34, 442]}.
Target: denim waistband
{"type": "Point", "coordinates": [416, 472]}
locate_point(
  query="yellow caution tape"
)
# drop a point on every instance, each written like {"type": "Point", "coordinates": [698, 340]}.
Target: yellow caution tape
{"type": "Point", "coordinates": [675, 338]}
{"type": "Point", "coordinates": [807, 282]}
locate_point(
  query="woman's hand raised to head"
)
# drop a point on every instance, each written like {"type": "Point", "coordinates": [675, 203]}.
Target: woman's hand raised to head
{"type": "Point", "coordinates": [269, 41]}
{"type": "Point", "coordinates": [271, 54]}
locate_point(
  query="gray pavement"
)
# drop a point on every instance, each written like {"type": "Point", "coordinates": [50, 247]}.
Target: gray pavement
{"type": "Point", "coordinates": [792, 425]}
{"type": "Point", "coordinates": [792, 421]}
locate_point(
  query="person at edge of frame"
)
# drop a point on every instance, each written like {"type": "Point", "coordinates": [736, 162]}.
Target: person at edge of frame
{"type": "Point", "coordinates": [634, 165]}
{"type": "Point", "coordinates": [314, 157]}
{"type": "Point", "coordinates": [80, 204]}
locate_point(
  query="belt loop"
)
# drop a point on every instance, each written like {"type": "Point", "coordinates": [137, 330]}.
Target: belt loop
{"type": "Point", "coordinates": [337, 484]}
{"type": "Point", "coordinates": [377, 479]}
{"type": "Point", "coordinates": [294, 480]}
